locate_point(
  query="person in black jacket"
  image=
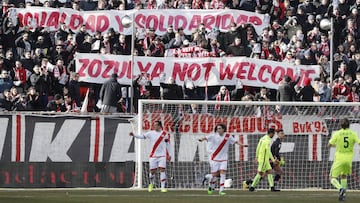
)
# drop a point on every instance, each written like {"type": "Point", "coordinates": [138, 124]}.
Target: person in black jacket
{"type": "Point", "coordinates": [110, 95]}
{"type": "Point", "coordinates": [275, 150]}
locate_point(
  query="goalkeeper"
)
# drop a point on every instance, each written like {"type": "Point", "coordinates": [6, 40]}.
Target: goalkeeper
{"type": "Point", "coordinates": [344, 141]}
{"type": "Point", "coordinates": [275, 151]}
{"type": "Point", "coordinates": [263, 155]}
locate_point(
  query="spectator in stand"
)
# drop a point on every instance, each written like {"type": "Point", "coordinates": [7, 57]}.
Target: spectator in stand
{"type": "Point", "coordinates": [342, 71]}
{"type": "Point", "coordinates": [80, 35]}
{"type": "Point", "coordinates": [59, 77]}
{"type": "Point", "coordinates": [157, 48]}
{"type": "Point", "coordinates": [62, 33]}
{"type": "Point", "coordinates": [169, 35]}
{"type": "Point", "coordinates": [40, 81]}
{"type": "Point", "coordinates": [74, 89]}
{"type": "Point", "coordinates": [20, 75]}
{"type": "Point", "coordinates": [33, 100]}
{"type": "Point", "coordinates": [27, 61]}
{"type": "Point", "coordinates": [307, 92]}
{"type": "Point", "coordinates": [5, 81]}
{"type": "Point", "coordinates": [122, 47]}
{"type": "Point", "coordinates": [142, 89]}
{"type": "Point", "coordinates": [23, 44]}
{"type": "Point", "coordinates": [237, 49]}
{"type": "Point", "coordinates": [21, 104]}
{"type": "Point", "coordinates": [340, 91]}
{"type": "Point", "coordinates": [110, 95]}
{"type": "Point", "coordinates": [170, 90]}
{"type": "Point", "coordinates": [286, 92]}
{"type": "Point", "coordinates": [6, 101]}
{"type": "Point", "coordinates": [10, 30]}
{"type": "Point", "coordinates": [325, 91]}
{"type": "Point", "coordinates": [57, 104]}
{"type": "Point", "coordinates": [9, 61]}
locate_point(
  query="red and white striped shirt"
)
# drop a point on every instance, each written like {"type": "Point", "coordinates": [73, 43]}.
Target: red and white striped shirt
{"type": "Point", "coordinates": [218, 146]}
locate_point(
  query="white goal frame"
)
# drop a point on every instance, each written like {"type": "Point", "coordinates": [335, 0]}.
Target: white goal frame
{"type": "Point", "coordinates": [138, 182]}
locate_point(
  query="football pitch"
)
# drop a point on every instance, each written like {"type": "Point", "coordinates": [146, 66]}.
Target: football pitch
{"type": "Point", "coordinates": [173, 196]}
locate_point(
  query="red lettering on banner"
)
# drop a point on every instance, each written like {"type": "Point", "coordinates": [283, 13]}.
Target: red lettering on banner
{"type": "Point", "coordinates": [86, 177]}
{"type": "Point", "coordinates": [208, 67]}
{"type": "Point", "coordinates": [208, 123]}
{"type": "Point", "coordinates": [209, 21]}
{"type": "Point", "coordinates": [278, 72]}
{"type": "Point", "coordinates": [180, 21]}
{"type": "Point", "coordinates": [142, 68]}
{"type": "Point", "coordinates": [62, 18]}
{"type": "Point", "coordinates": [146, 124]}
{"type": "Point", "coordinates": [27, 18]}
{"type": "Point", "coordinates": [168, 124]}
{"type": "Point", "coordinates": [102, 23]}
{"type": "Point", "coordinates": [226, 20]}
{"type": "Point", "coordinates": [242, 19]}
{"type": "Point", "coordinates": [6, 178]}
{"type": "Point", "coordinates": [241, 70]}
{"type": "Point", "coordinates": [158, 69]}
{"type": "Point", "coordinates": [194, 68]}
{"type": "Point", "coordinates": [90, 23]}
{"type": "Point", "coordinates": [162, 27]}
{"type": "Point", "coordinates": [31, 174]}
{"type": "Point", "coordinates": [140, 20]}
{"type": "Point", "coordinates": [234, 125]}
{"type": "Point", "coordinates": [309, 127]}
{"type": "Point", "coordinates": [121, 27]}
{"type": "Point", "coordinates": [255, 20]}
{"type": "Point", "coordinates": [121, 177]}
{"type": "Point", "coordinates": [95, 65]}
{"type": "Point", "coordinates": [228, 71]}
{"type": "Point", "coordinates": [183, 126]}
{"type": "Point", "coordinates": [296, 127]}
{"type": "Point", "coordinates": [195, 22]}
{"type": "Point", "coordinates": [195, 123]}
{"type": "Point", "coordinates": [42, 23]}
{"type": "Point", "coordinates": [179, 71]}
{"type": "Point", "coordinates": [53, 20]}
{"type": "Point", "coordinates": [152, 21]}
{"type": "Point", "coordinates": [110, 65]}
{"type": "Point", "coordinates": [75, 21]}
{"type": "Point", "coordinates": [261, 73]}
{"type": "Point", "coordinates": [220, 120]}
{"type": "Point", "coordinates": [85, 63]}
{"type": "Point", "coordinates": [218, 21]}
{"type": "Point", "coordinates": [62, 178]}
{"type": "Point", "coordinates": [251, 72]}
{"type": "Point", "coordinates": [18, 179]}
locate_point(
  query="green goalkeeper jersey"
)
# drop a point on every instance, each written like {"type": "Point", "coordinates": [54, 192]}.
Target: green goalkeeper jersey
{"type": "Point", "coordinates": [344, 140]}
{"type": "Point", "coordinates": [263, 152]}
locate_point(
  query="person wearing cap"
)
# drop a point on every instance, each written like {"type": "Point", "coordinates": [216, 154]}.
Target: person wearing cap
{"type": "Point", "coordinates": [110, 95]}
{"type": "Point", "coordinates": [263, 155]}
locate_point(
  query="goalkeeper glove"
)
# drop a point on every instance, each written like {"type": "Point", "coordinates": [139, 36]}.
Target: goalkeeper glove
{"type": "Point", "coordinates": [282, 161]}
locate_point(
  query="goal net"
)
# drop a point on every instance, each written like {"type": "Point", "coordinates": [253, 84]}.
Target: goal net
{"type": "Point", "coordinates": [308, 127]}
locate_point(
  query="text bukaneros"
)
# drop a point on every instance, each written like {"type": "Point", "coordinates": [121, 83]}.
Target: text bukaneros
{"type": "Point", "coordinates": [67, 174]}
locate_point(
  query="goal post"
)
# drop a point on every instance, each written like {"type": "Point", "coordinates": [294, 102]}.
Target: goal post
{"type": "Point", "coordinates": [308, 127]}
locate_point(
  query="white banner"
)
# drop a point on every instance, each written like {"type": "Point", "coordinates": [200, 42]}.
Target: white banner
{"type": "Point", "coordinates": [158, 19]}
{"type": "Point", "coordinates": [95, 68]}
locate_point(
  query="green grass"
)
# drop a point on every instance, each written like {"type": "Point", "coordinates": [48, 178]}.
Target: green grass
{"type": "Point", "coordinates": [173, 196]}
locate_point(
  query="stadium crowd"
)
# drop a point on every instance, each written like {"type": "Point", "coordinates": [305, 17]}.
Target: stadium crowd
{"type": "Point", "coordinates": [38, 70]}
